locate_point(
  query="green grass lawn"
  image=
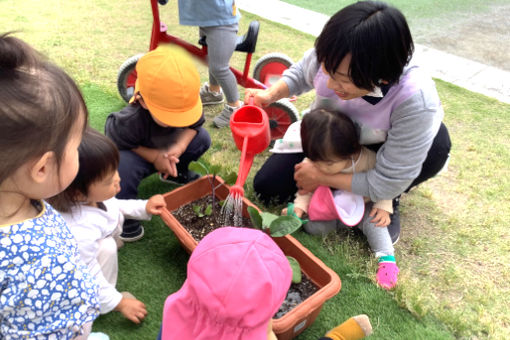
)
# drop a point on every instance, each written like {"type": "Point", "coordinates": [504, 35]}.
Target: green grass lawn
{"type": "Point", "coordinates": [454, 252]}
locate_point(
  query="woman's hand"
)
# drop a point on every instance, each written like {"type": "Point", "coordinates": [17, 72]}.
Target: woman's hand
{"type": "Point", "coordinates": [307, 177]}
{"type": "Point", "coordinates": [265, 97]}
{"type": "Point", "coordinates": [261, 98]}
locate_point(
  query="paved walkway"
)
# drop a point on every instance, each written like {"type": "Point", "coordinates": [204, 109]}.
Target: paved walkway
{"type": "Point", "coordinates": [472, 75]}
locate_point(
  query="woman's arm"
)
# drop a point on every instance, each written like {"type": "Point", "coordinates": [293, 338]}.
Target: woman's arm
{"type": "Point", "coordinates": [295, 80]}
{"type": "Point", "coordinates": [414, 125]}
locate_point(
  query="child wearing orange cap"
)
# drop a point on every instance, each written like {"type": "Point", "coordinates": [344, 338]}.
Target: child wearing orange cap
{"type": "Point", "coordinates": [161, 129]}
{"type": "Point", "coordinates": [237, 281]}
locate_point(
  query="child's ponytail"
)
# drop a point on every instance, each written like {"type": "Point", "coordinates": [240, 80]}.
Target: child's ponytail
{"type": "Point", "coordinates": [39, 105]}
{"type": "Point", "coordinates": [16, 55]}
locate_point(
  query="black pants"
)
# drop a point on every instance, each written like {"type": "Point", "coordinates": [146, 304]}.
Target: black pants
{"type": "Point", "coordinates": [274, 182]}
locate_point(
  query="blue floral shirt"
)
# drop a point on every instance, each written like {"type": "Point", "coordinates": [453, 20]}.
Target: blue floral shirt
{"type": "Point", "coordinates": [46, 292]}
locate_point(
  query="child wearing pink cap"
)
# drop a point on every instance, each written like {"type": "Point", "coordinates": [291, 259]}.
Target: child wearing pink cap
{"type": "Point", "coordinates": [330, 141]}
{"type": "Point", "coordinates": [237, 280]}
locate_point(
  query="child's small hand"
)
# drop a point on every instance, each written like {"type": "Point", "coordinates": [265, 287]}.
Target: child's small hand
{"type": "Point", "coordinates": [176, 150]}
{"type": "Point", "coordinates": [132, 309]}
{"type": "Point", "coordinates": [299, 212]}
{"type": "Point", "coordinates": [155, 205]}
{"type": "Point", "coordinates": [166, 164]}
{"type": "Point", "coordinates": [381, 218]}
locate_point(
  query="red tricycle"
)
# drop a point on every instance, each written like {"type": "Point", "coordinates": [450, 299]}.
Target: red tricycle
{"type": "Point", "coordinates": [267, 70]}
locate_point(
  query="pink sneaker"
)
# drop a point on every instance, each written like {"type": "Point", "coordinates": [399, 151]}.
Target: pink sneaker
{"type": "Point", "coordinates": [387, 273]}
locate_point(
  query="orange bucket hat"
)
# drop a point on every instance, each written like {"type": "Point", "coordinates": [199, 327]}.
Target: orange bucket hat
{"type": "Point", "coordinates": [169, 84]}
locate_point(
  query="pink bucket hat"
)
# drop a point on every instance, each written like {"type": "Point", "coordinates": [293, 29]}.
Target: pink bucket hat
{"type": "Point", "coordinates": [237, 280]}
{"type": "Point", "coordinates": [327, 205]}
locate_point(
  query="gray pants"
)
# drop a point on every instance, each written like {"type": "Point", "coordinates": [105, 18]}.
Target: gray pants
{"type": "Point", "coordinates": [378, 238]}
{"type": "Point", "coordinates": [221, 43]}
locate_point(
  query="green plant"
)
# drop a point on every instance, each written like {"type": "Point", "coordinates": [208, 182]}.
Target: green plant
{"type": "Point", "coordinates": [278, 226]}
{"type": "Point", "coordinates": [203, 168]}
{"type": "Point", "coordinates": [296, 269]}
{"type": "Point", "coordinates": [201, 212]}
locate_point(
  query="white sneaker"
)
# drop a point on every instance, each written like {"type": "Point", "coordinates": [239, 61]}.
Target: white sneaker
{"type": "Point", "coordinates": [210, 98]}
{"type": "Point", "coordinates": [223, 119]}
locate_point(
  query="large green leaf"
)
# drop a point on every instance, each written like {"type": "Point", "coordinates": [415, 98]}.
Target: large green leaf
{"type": "Point", "coordinates": [198, 167]}
{"type": "Point", "coordinates": [267, 219]}
{"type": "Point", "coordinates": [255, 217]}
{"type": "Point", "coordinates": [284, 225]}
{"type": "Point", "coordinates": [296, 269]}
{"type": "Point", "coordinates": [214, 169]}
{"type": "Point", "coordinates": [231, 178]}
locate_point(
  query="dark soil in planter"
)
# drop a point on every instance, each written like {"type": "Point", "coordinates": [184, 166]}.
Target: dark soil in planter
{"type": "Point", "coordinates": [198, 227]}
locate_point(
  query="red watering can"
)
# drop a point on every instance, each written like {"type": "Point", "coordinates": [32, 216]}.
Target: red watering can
{"type": "Point", "coordinates": [250, 129]}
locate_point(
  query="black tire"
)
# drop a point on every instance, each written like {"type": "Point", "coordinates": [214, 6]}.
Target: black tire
{"type": "Point", "coordinates": [127, 76]}
{"type": "Point", "coordinates": [281, 114]}
{"type": "Point", "coordinates": [269, 65]}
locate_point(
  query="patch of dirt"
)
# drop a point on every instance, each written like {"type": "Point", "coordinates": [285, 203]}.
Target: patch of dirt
{"type": "Point", "coordinates": [198, 227]}
{"type": "Point", "coordinates": [483, 37]}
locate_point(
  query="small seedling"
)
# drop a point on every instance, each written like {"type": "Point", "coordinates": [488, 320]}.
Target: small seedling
{"type": "Point", "coordinates": [207, 211]}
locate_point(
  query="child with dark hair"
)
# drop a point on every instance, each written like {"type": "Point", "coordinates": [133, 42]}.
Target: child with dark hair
{"type": "Point", "coordinates": [46, 291]}
{"type": "Point", "coordinates": [361, 65]}
{"type": "Point", "coordinates": [161, 129]}
{"type": "Point", "coordinates": [330, 142]}
{"type": "Point", "coordinates": [95, 218]}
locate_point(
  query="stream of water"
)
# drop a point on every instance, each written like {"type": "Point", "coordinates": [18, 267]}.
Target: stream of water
{"type": "Point", "coordinates": [232, 211]}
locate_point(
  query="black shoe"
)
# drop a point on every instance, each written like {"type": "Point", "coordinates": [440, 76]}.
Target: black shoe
{"type": "Point", "coordinates": [132, 231]}
{"type": "Point", "coordinates": [394, 226]}
{"type": "Point", "coordinates": [181, 179]}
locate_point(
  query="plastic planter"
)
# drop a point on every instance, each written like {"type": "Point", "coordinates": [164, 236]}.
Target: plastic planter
{"type": "Point", "coordinates": [328, 282]}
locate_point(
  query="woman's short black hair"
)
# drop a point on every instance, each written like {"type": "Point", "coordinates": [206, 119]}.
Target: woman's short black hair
{"type": "Point", "coordinates": [377, 37]}
{"type": "Point", "coordinates": [328, 136]}
{"type": "Point", "coordinates": [99, 157]}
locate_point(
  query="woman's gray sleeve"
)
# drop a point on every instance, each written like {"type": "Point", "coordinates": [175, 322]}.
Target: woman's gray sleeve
{"type": "Point", "coordinates": [414, 124]}
{"type": "Point", "coordinates": [299, 77]}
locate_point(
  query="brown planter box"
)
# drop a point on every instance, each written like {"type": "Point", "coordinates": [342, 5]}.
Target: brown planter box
{"type": "Point", "coordinates": [301, 316]}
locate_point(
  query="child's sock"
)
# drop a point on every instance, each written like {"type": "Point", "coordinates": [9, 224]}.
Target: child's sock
{"type": "Point", "coordinates": [355, 328]}
{"type": "Point", "coordinates": [387, 273]}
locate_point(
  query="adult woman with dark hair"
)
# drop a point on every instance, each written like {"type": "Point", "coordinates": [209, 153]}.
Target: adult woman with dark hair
{"type": "Point", "coordinates": [360, 66]}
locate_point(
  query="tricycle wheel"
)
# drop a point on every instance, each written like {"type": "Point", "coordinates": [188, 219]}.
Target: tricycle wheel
{"type": "Point", "coordinates": [281, 114]}
{"type": "Point", "coordinates": [126, 77]}
{"type": "Point", "coordinates": [270, 67]}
